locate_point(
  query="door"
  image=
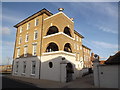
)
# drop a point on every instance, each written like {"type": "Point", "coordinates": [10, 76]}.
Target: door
{"type": "Point", "coordinates": [69, 72]}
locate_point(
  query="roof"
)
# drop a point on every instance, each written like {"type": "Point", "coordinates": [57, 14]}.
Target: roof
{"type": "Point", "coordinates": [34, 16]}
{"type": "Point", "coordinates": [102, 61]}
{"type": "Point", "coordinates": [78, 34]}
{"type": "Point", "coordinates": [86, 47]}
{"type": "Point", "coordinates": [115, 59]}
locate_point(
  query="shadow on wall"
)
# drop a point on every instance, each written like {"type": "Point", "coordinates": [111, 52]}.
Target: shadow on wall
{"type": "Point", "coordinates": [59, 69]}
{"type": "Point", "coordinates": [56, 68]}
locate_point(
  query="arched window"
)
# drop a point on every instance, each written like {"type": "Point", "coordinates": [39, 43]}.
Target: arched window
{"type": "Point", "coordinates": [67, 47]}
{"type": "Point", "coordinates": [52, 47]}
{"type": "Point", "coordinates": [50, 64]}
{"type": "Point", "coordinates": [67, 31]}
{"type": "Point", "coordinates": [52, 30]}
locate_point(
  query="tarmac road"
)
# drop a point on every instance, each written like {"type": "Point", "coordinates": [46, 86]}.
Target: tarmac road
{"type": "Point", "coordinates": [11, 83]}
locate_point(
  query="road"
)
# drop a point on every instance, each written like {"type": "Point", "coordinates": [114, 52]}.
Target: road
{"type": "Point", "coordinates": [11, 83]}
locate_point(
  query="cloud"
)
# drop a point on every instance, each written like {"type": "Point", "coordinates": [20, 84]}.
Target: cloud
{"type": "Point", "coordinates": [105, 45]}
{"type": "Point", "coordinates": [10, 18]}
{"type": "Point", "coordinates": [107, 29]}
{"type": "Point", "coordinates": [7, 43]}
{"type": "Point", "coordinates": [6, 31]}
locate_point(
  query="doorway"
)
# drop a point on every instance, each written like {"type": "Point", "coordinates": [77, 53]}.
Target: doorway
{"type": "Point", "coordinates": [69, 72]}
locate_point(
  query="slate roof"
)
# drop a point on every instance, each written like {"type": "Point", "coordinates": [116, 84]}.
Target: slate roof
{"type": "Point", "coordinates": [115, 59]}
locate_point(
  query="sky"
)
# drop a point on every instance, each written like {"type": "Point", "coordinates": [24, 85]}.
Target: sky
{"type": "Point", "coordinates": [96, 21]}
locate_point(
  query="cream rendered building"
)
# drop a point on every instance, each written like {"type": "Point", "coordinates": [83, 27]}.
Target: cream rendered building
{"type": "Point", "coordinates": [48, 47]}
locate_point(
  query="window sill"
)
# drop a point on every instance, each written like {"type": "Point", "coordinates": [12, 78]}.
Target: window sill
{"type": "Point", "coordinates": [34, 55]}
{"type": "Point", "coordinates": [32, 75]}
{"type": "Point", "coordinates": [23, 74]}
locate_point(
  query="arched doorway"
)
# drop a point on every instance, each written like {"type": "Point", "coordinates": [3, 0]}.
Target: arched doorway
{"type": "Point", "coordinates": [52, 47]}
{"type": "Point", "coordinates": [69, 72]}
{"type": "Point", "coordinates": [67, 48]}
{"type": "Point", "coordinates": [52, 30]}
{"type": "Point", "coordinates": [67, 31]}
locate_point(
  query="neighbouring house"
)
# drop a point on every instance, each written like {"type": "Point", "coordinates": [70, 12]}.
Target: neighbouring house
{"type": "Point", "coordinates": [5, 68]}
{"type": "Point", "coordinates": [48, 47]}
{"type": "Point", "coordinates": [106, 75]}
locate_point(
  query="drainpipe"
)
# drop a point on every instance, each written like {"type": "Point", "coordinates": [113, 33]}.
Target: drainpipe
{"type": "Point", "coordinates": [41, 47]}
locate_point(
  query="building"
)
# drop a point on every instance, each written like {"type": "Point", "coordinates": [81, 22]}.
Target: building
{"type": "Point", "coordinates": [48, 47]}
{"type": "Point", "coordinates": [5, 68]}
{"type": "Point", "coordinates": [87, 57]}
{"type": "Point", "coordinates": [106, 75]}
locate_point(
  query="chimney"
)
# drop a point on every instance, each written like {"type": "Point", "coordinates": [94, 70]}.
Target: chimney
{"type": "Point", "coordinates": [72, 19]}
{"type": "Point", "coordinates": [60, 9]}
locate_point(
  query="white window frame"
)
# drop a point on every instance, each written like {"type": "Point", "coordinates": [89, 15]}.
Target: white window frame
{"type": "Point", "coordinates": [21, 29]}
{"type": "Point", "coordinates": [20, 40]}
{"type": "Point", "coordinates": [35, 34]}
{"type": "Point", "coordinates": [34, 53]}
{"type": "Point", "coordinates": [24, 68]}
{"type": "Point", "coordinates": [25, 51]}
{"type": "Point", "coordinates": [18, 52]}
{"type": "Point", "coordinates": [33, 62]}
{"type": "Point", "coordinates": [26, 38]}
{"type": "Point", "coordinates": [80, 47]}
{"type": "Point", "coordinates": [76, 38]}
{"type": "Point", "coordinates": [80, 39]}
{"type": "Point", "coordinates": [77, 47]}
{"type": "Point", "coordinates": [36, 22]}
{"type": "Point", "coordinates": [28, 26]}
{"type": "Point", "coordinates": [17, 65]}
{"type": "Point", "coordinates": [78, 56]}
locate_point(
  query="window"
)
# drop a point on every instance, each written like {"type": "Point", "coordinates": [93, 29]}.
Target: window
{"type": "Point", "coordinates": [20, 40]}
{"type": "Point", "coordinates": [50, 64]}
{"type": "Point", "coordinates": [67, 48]}
{"type": "Point", "coordinates": [24, 66]}
{"type": "Point", "coordinates": [33, 67]}
{"type": "Point", "coordinates": [80, 39]}
{"type": "Point", "coordinates": [52, 47]}
{"type": "Point", "coordinates": [77, 47]}
{"type": "Point", "coordinates": [76, 38]}
{"type": "Point", "coordinates": [80, 47]}
{"type": "Point", "coordinates": [27, 37]}
{"type": "Point", "coordinates": [28, 26]}
{"type": "Point", "coordinates": [78, 57]}
{"type": "Point", "coordinates": [18, 52]}
{"type": "Point", "coordinates": [16, 66]}
{"type": "Point", "coordinates": [35, 35]}
{"type": "Point", "coordinates": [36, 22]}
{"type": "Point", "coordinates": [52, 30]}
{"type": "Point", "coordinates": [25, 52]}
{"type": "Point", "coordinates": [67, 31]}
{"type": "Point", "coordinates": [34, 50]}
{"type": "Point", "coordinates": [21, 29]}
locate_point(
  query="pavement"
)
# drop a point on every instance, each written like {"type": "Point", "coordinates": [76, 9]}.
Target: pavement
{"type": "Point", "coordinates": [83, 82]}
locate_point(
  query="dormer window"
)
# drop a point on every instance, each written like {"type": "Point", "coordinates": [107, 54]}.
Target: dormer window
{"type": "Point", "coordinates": [52, 30]}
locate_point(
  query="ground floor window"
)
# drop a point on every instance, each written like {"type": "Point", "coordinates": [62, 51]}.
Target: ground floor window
{"type": "Point", "coordinates": [33, 67]}
{"type": "Point", "coordinates": [17, 66]}
{"type": "Point", "coordinates": [24, 67]}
